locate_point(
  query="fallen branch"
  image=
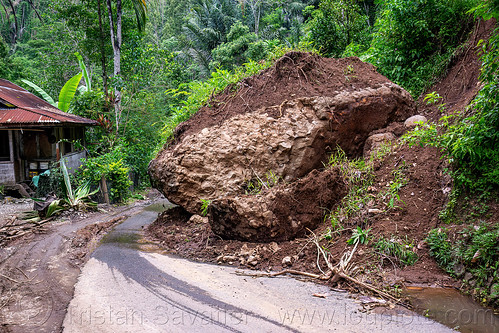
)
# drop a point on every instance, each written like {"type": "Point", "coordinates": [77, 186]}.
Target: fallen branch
{"type": "Point", "coordinates": [286, 271]}
{"type": "Point", "coordinates": [9, 278]}
{"type": "Point", "coordinates": [341, 269]}
{"type": "Point", "coordinates": [369, 287]}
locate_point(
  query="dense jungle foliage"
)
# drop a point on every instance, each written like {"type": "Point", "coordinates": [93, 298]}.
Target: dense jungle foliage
{"type": "Point", "coordinates": [173, 55]}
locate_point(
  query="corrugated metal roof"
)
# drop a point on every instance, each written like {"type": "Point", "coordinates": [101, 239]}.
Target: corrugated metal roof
{"type": "Point", "coordinates": [26, 109]}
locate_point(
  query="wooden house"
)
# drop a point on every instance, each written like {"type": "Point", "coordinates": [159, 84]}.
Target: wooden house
{"type": "Point", "coordinates": [34, 133]}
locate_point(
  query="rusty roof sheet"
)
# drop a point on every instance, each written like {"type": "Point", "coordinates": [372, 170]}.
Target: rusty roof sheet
{"type": "Point", "coordinates": [19, 107]}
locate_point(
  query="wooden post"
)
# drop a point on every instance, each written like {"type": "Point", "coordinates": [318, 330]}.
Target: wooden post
{"type": "Point", "coordinates": [11, 147]}
{"type": "Point", "coordinates": [104, 189]}
{"type": "Point", "coordinates": [57, 152]}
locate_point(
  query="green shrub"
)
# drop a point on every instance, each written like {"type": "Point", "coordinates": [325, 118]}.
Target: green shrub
{"type": "Point", "coordinates": [441, 248]}
{"type": "Point", "coordinates": [401, 252]}
{"type": "Point", "coordinates": [336, 25]}
{"type": "Point", "coordinates": [51, 182]}
{"type": "Point", "coordinates": [359, 235]}
{"type": "Point", "coordinates": [476, 248]}
{"type": "Point", "coordinates": [414, 40]}
{"type": "Point", "coordinates": [472, 141]}
{"type": "Point", "coordinates": [113, 167]}
{"type": "Point", "coordinates": [241, 46]}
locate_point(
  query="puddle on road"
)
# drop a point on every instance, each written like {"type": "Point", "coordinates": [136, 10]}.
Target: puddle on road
{"type": "Point", "coordinates": [159, 207]}
{"type": "Point", "coordinates": [129, 235]}
{"type": "Point", "coordinates": [132, 241]}
{"type": "Point", "coordinates": [449, 307]}
{"type": "Point", "coordinates": [121, 238]}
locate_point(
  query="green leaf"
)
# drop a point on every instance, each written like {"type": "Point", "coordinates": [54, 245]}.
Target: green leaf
{"type": "Point", "coordinates": [140, 8]}
{"type": "Point", "coordinates": [42, 92]}
{"type": "Point", "coordinates": [54, 208]}
{"type": "Point", "coordinates": [88, 83]}
{"type": "Point", "coordinates": [67, 181]}
{"type": "Point", "coordinates": [68, 91]}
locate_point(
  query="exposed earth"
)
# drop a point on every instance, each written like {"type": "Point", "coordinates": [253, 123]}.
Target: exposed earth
{"type": "Point", "coordinates": [421, 198]}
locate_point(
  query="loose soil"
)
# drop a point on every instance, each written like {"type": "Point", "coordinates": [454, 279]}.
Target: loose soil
{"type": "Point", "coordinates": [460, 84]}
{"type": "Point", "coordinates": [417, 211]}
{"type": "Point", "coordinates": [295, 75]}
{"type": "Point", "coordinates": [39, 270]}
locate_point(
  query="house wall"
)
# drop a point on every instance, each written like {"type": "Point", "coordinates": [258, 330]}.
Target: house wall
{"type": "Point", "coordinates": [30, 152]}
{"type": "Point", "coordinates": [7, 174]}
{"type": "Point", "coordinates": [73, 160]}
{"type": "Point", "coordinates": [7, 168]}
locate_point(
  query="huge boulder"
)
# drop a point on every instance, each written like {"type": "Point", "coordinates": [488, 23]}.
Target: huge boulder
{"type": "Point", "coordinates": [285, 120]}
{"type": "Point", "coordinates": [279, 213]}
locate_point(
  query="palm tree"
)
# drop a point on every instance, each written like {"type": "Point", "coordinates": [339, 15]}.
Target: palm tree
{"type": "Point", "coordinates": [207, 28]}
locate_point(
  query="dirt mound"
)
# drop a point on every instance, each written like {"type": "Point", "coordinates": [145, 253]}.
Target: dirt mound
{"type": "Point", "coordinates": [295, 75]}
{"type": "Point", "coordinates": [421, 201]}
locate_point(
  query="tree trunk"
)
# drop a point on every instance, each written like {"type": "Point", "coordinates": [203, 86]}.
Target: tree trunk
{"type": "Point", "coordinates": [116, 40]}
{"type": "Point", "coordinates": [102, 50]}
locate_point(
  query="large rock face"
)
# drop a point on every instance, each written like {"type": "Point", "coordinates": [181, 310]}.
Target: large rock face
{"type": "Point", "coordinates": [290, 137]}
{"type": "Point", "coordinates": [219, 161]}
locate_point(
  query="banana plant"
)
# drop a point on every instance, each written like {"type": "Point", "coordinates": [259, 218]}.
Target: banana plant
{"type": "Point", "coordinates": [84, 71]}
{"type": "Point", "coordinates": [65, 96]}
{"type": "Point", "coordinates": [68, 90]}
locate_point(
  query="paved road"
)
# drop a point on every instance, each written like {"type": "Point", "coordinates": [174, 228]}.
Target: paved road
{"type": "Point", "coordinates": [38, 276]}
{"type": "Point", "coordinates": [126, 289]}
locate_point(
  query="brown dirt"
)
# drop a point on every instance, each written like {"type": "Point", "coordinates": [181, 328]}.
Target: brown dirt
{"type": "Point", "coordinates": [294, 75]}
{"type": "Point", "coordinates": [295, 208]}
{"type": "Point", "coordinates": [421, 199]}
{"type": "Point", "coordinates": [460, 84]}
{"type": "Point", "coordinates": [39, 270]}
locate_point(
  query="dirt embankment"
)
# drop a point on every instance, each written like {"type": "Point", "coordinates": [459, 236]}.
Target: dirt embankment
{"type": "Point", "coordinates": [422, 196]}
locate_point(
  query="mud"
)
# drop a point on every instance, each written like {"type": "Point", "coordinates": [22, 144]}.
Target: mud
{"type": "Point", "coordinates": [38, 271]}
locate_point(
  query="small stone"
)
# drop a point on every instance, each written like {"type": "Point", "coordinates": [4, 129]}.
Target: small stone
{"type": "Point", "coordinates": [274, 247]}
{"type": "Point", "coordinates": [494, 291]}
{"type": "Point", "coordinates": [198, 219]}
{"type": "Point", "coordinates": [459, 269]}
{"type": "Point", "coordinates": [468, 276]}
{"type": "Point", "coordinates": [252, 260]}
{"type": "Point", "coordinates": [245, 251]}
{"type": "Point", "coordinates": [414, 120]}
{"type": "Point", "coordinates": [286, 261]}
{"type": "Point", "coordinates": [374, 211]}
{"type": "Point", "coordinates": [376, 141]}
{"type": "Point", "coordinates": [229, 259]}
